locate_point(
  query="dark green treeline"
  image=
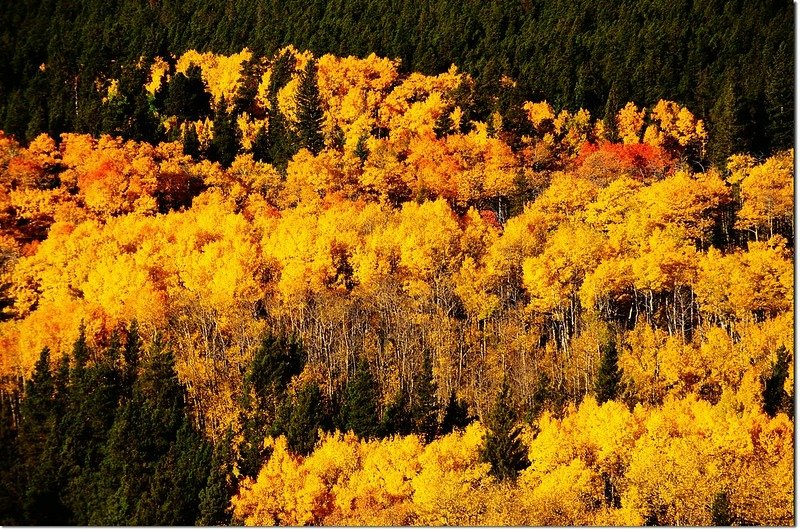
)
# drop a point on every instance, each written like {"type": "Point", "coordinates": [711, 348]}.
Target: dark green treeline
{"type": "Point", "coordinates": [730, 62]}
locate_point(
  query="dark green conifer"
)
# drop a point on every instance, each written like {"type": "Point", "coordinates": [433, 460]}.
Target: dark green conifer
{"type": "Point", "coordinates": [397, 417]}
{"type": "Point", "coordinates": [305, 419]}
{"type": "Point", "coordinates": [220, 485]}
{"type": "Point", "coordinates": [225, 142]}
{"type": "Point", "coordinates": [503, 448]}
{"type": "Point", "coordinates": [721, 510]}
{"type": "Point", "coordinates": [187, 97]}
{"type": "Point", "coordinates": [424, 406]}
{"type": "Point", "coordinates": [360, 408]}
{"type": "Point", "coordinates": [774, 394]}
{"type": "Point", "coordinates": [608, 375]}
{"type": "Point", "coordinates": [191, 143]}
{"type": "Point", "coordinates": [456, 415]}
{"type": "Point", "coordinates": [309, 110]}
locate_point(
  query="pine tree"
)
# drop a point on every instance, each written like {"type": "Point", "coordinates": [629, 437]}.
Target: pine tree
{"type": "Point", "coordinates": [225, 142]}
{"type": "Point", "coordinates": [608, 375]}
{"type": "Point", "coordinates": [456, 415]}
{"type": "Point", "coordinates": [424, 407]}
{"type": "Point", "coordinates": [444, 124]}
{"type": "Point", "coordinates": [261, 145]}
{"type": "Point", "coordinates": [220, 486]}
{"type": "Point", "coordinates": [774, 395]}
{"type": "Point", "coordinates": [187, 97]}
{"type": "Point", "coordinates": [40, 442]}
{"type": "Point", "coordinates": [263, 400]}
{"type": "Point", "coordinates": [309, 110]}
{"type": "Point", "coordinates": [92, 399]}
{"type": "Point", "coordinates": [503, 448]}
{"type": "Point", "coordinates": [274, 364]}
{"type": "Point", "coordinates": [191, 143]}
{"type": "Point", "coordinates": [245, 98]}
{"type": "Point", "coordinates": [305, 419]}
{"type": "Point", "coordinates": [10, 465]}
{"type": "Point", "coordinates": [360, 409]}
{"type": "Point", "coordinates": [130, 358]}
{"type": "Point", "coordinates": [179, 477]}
{"type": "Point", "coordinates": [144, 466]}
{"type": "Point", "coordinates": [281, 141]}
{"type": "Point", "coordinates": [727, 124]}
{"type": "Point", "coordinates": [721, 510]}
{"type": "Point", "coordinates": [80, 350]}
{"type": "Point", "coordinates": [397, 417]}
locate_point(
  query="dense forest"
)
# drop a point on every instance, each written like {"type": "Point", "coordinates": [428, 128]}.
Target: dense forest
{"type": "Point", "coordinates": [730, 62]}
{"type": "Point", "coordinates": [336, 292]}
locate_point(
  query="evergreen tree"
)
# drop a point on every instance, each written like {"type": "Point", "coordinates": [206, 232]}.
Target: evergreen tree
{"type": "Point", "coordinates": [80, 350]}
{"type": "Point", "coordinates": [456, 415]}
{"type": "Point", "coordinates": [130, 358]}
{"type": "Point", "coordinates": [779, 96]}
{"type": "Point", "coordinates": [360, 408]}
{"type": "Point", "coordinates": [274, 364]}
{"type": "Point", "coordinates": [424, 407]}
{"type": "Point", "coordinates": [721, 510]}
{"type": "Point", "coordinates": [774, 395]}
{"type": "Point", "coordinates": [608, 375]}
{"type": "Point", "coordinates": [10, 484]}
{"type": "Point", "coordinates": [444, 124]}
{"type": "Point", "coordinates": [220, 486]}
{"type": "Point", "coordinates": [397, 417]}
{"type": "Point", "coordinates": [39, 443]}
{"type": "Point", "coordinates": [178, 479]}
{"type": "Point", "coordinates": [191, 143]}
{"type": "Point", "coordinates": [144, 466]}
{"type": "Point", "coordinates": [305, 419]}
{"type": "Point", "coordinates": [187, 97]}
{"type": "Point", "coordinates": [727, 124]}
{"type": "Point", "coordinates": [281, 142]}
{"type": "Point", "coordinates": [225, 142]}
{"type": "Point", "coordinates": [261, 146]}
{"type": "Point", "coordinates": [247, 90]}
{"type": "Point", "coordinates": [263, 399]}
{"type": "Point", "coordinates": [503, 448]}
{"type": "Point", "coordinates": [93, 395]}
{"type": "Point", "coordinates": [309, 110]}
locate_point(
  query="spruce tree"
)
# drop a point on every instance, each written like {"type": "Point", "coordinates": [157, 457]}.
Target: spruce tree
{"type": "Point", "coordinates": [503, 448]}
{"type": "Point", "coordinates": [263, 400]}
{"type": "Point", "coordinates": [281, 142]}
{"type": "Point", "coordinates": [260, 147]}
{"type": "Point", "coordinates": [178, 478]}
{"type": "Point", "coordinates": [444, 124]}
{"type": "Point", "coordinates": [774, 395]}
{"type": "Point", "coordinates": [721, 510]}
{"type": "Point", "coordinates": [191, 143]}
{"type": "Point", "coordinates": [10, 466]}
{"type": "Point", "coordinates": [225, 142]}
{"type": "Point", "coordinates": [397, 417]}
{"type": "Point", "coordinates": [360, 409]}
{"type": "Point", "coordinates": [608, 375]}
{"type": "Point", "coordinates": [309, 110]}
{"type": "Point", "coordinates": [456, 415]}
{"type": "Point", "coordinates": [80, 350]}
{"type": "Point", "coordinates": [93, 396]}
{"type": "Point", "coordinates": [40, 442]}
{"type": "Point", "coordinates": [130, 358]}
{"type": "Point", "coordinates": [424, 407]}
{"type": "Point", "coordinates": [187, 97]}
{"type": "Point", "coordinates": [220, 485]}
{"type": "Point", "coordinates": [305, 419]}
